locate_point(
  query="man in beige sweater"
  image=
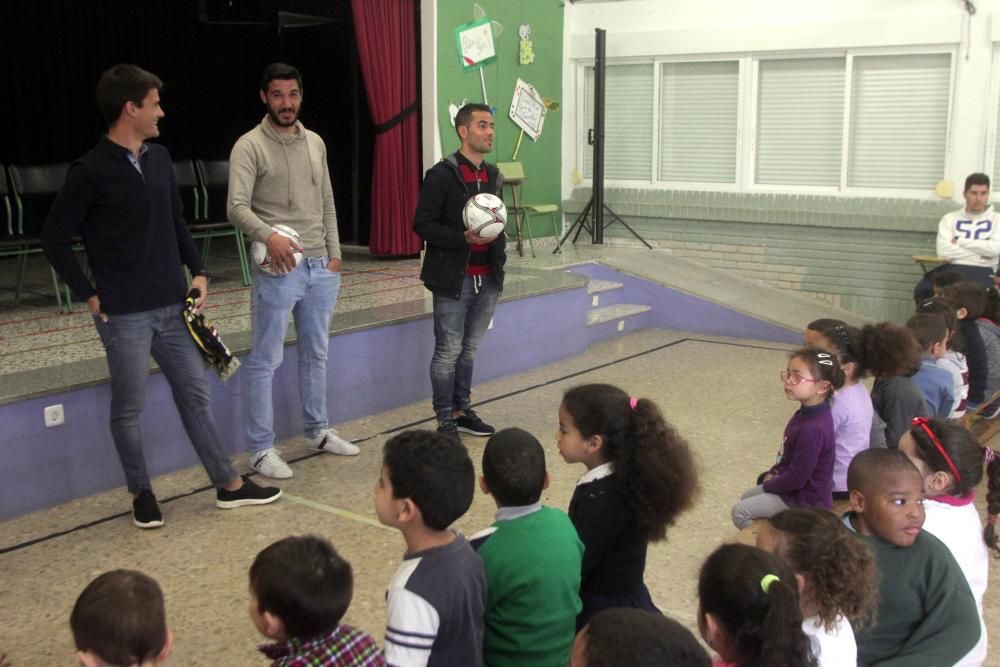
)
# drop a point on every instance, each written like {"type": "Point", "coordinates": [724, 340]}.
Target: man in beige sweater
{"type": "Point", "coordinates": [278, 174]}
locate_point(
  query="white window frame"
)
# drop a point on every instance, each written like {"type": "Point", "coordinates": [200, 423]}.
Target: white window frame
{"type": "Point", "coordinates": [746, 130]}
{"type": "Point", "coordinates": [652, 181]}
{"type": "Point", "coordinates": [992, 111]}
{"type": "Point", "coordinates": [849, 55]}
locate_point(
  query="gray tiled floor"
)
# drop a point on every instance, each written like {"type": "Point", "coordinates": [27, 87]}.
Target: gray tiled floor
{"type": "Point", "coordinates": [202, 554]}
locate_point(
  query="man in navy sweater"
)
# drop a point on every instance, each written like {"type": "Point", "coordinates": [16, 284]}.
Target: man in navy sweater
{"type": "Point", "coordinates": [122, 199]}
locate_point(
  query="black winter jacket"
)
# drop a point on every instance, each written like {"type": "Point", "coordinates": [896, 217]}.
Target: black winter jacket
{"type": "Point", "coordinates": [438, 221]}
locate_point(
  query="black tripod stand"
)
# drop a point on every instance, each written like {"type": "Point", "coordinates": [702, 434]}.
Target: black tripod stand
{"type": "Point", "coordinates": [596, 207]}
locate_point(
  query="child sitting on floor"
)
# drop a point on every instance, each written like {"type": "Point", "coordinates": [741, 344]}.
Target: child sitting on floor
{"type": "Point", "coordinates": [531, 556]}
{"type": "Point", "coordinates": [934, 383]}
{"type": "Point", "coordinates": [838, 581]}
{"type": "Point", "coordinates": [855, 424]}
{"type": "Point", "coordinates": [981, 334]}
{"type": "Point", "coordinates": [953, 360]}
{"type": "Point", "coordinates": [926, 611]}
{"type": "Point", "coordinates": [119, 619]}
{"type": "Point", "coordinates": [300, 588]}
{"type": "Point", "coordinates": [748, 609]}
{"type": "Point", "coordinates": [803, 474]}
{"type": "Point", "coordinates": [640, 477]}
{"type": "Point", "coordinates": [951, 462]}
{"type": "Point", "coordinates": [892, 355]}
{"type": "Point", "coordinates": [626, 637]}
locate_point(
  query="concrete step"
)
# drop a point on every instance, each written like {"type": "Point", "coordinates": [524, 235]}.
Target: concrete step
{"type": "Point", "coordinates": [616, 312]}
{"type": "Point", "coordinates": [611, 321]}
{"type": "Point", "coordinates": [595, 286]}
{"type": "Point", "coordinates": [604, 292]}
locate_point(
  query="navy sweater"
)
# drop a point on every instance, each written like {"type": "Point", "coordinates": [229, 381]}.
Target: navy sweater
{"type": "Point", "coordinates": [804, 475]}
{"type": "Point", "coordinates": [132, 226]}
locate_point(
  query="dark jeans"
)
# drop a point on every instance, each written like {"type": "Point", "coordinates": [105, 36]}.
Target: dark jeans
{"type": "Point", "coordinates": [459, 325]}
{"type": "Point", "coordinates": [128, 341]}
{"type": "Point", "coordinates": [977, 274]}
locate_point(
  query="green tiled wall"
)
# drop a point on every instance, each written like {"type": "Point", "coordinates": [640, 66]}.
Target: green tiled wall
{"type": "Point", "coordinates": [851, 252]}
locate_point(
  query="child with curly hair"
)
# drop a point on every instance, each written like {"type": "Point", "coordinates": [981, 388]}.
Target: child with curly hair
{"type": "Point", "coordinates": [976, 311]}
{"type": "Point", "coordinates": [951, 462]}
{"type": "Point", "coordinates": [640, 476]}
{"type": "Point", "coordinates": [803, 474]}
{"type": "Point", "coordinates": [892, 355]}
{"type": "Point", "coordinates": [855, 424]}
{"type": "Point", "coordinates": [748, 609]}
{"type": "Point", "coordinates": [953, 360]}
{"type": "Point", "coordinates": [838, 580]}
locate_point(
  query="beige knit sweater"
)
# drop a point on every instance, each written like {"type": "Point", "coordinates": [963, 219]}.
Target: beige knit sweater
{"type": "Point", "coordinates": [283, 179]}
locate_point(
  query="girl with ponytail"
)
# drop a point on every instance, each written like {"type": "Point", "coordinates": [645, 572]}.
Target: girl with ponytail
{"type": "Point", "coordinates": [748, 609]}
{"type": "Point", "coordinates": [951, 462]}
{"type": "Point", "coordinates": [640, 477]}
{"type": "Point", "coordinates": [837, 578]}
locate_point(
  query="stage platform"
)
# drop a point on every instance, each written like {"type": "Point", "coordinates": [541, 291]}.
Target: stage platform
{"type": "Point", "coordinates": [553, 307]}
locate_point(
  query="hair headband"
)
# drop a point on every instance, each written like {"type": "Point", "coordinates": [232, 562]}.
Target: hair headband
{"type": "Point", "coordinates": [922, 423]}
{"type": "Point", "coordinates": [841, 331]}
{"type": "Point", "coordinates": [767, 580]}
{"type": "Point", "coordinates": [632, 402]}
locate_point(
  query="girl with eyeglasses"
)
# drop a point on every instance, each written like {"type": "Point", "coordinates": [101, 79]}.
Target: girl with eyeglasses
{"type": "Point", "coordinates": [803, 475]}
{"type": "Point", "coordinates": [855, 425]}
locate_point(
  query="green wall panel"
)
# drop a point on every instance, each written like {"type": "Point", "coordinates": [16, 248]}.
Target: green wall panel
{"type": "Point", "coordinates": [542, 159]}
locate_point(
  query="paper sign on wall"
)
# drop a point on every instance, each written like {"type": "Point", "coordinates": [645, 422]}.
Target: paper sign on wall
{"type": "Point", "coordinates": [475, 44]}
{"type": "Point", "coordinates": [527, 109]}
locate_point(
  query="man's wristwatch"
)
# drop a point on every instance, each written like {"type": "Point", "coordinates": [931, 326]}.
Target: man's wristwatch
{"type": "Point", "coordinates": [204, 274]}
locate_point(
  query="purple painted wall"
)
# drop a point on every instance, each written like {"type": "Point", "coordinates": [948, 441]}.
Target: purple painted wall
{"type": "Point", "coordinates": [369, 371]}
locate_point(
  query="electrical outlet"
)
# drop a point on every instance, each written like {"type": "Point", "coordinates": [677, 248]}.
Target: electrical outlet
{"type": "Point", "coordinates": [621, 325]}
{"type": "Point", "coordinates": [595, 301]}
{"type": "Point", "coordinates": [54, 415]}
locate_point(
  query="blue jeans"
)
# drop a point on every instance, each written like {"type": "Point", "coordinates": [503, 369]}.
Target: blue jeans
{"type": "Point", "coordinates": [309, 294]}
{"type": "Point", "coordinates": [458, 328]}
{"type": "Point", "coordinates": [128, 342]}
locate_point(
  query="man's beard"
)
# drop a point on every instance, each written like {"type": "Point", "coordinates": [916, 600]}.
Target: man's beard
{"type": "Point", "coordinates": [276, 119]}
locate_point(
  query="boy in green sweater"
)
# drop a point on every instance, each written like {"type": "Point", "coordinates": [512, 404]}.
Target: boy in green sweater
{"type": "Point", "coordinates": [926, 611]}
{"type": "Point", "coordinates": [532, 557]}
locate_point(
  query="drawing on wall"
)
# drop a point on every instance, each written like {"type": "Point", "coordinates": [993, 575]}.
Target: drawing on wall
{"type": "Point", "coordinates": [527, 109]}
{"type": "Point", "coordinates": [475, 44]}
{"type": "Point", "coordinates": [526, 53]}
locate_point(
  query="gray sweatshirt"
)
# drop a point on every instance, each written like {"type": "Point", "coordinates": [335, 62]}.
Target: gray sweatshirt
{"type": "Point", "coordinates": [283, 179]}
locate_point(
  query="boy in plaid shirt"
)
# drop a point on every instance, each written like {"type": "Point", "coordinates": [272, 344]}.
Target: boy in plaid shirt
{"type": "Point", "coordinates": [299, 590]}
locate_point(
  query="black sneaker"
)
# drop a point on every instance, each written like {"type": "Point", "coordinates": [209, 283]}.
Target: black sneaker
{"type": "Point", "coordinates": [248, 494]}
{"type": "Point", "coordinates": [448, 428]}
{"type": "Point", "coordinates": [471, 423]}
{"type": "Point", "coordinates": [145, 512]}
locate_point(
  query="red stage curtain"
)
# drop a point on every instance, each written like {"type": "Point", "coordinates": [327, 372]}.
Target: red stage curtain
{"type": "Point", "coordinates": [387, 51]}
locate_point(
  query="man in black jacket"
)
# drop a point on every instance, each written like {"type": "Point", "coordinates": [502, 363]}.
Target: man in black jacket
{"type": "Point", "coordinates": [122, 199]}
{"type": "Point", "coordinates": [463, 270]}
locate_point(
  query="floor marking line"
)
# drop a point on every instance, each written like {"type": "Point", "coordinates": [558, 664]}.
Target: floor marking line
{"type": "Point", "coordinates": [395, 429]}
{"type": "Point", "coordinates": [330, 509]}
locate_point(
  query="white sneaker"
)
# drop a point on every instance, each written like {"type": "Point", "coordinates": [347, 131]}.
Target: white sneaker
{"type": "Point", "coordinates": [327, 440]}
{"type": "Point", "coordinates": [270, 464]}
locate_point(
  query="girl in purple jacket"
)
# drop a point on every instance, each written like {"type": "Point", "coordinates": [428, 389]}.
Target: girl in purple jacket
{"type": "Point", "coordinates": [803, 475]}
